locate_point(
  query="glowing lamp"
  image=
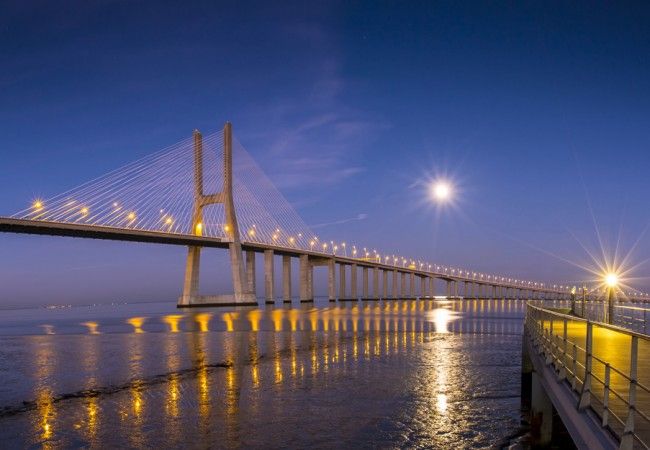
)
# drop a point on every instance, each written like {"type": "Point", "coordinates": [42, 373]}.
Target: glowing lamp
{"type": "Point", "coordinates": [611, 280]}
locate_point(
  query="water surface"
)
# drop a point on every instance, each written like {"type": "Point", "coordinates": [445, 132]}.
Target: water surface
{"type": "Point", "coordinates": [427, 373]}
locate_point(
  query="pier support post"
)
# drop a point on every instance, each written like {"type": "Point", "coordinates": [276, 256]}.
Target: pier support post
{"type": "Point", "coordinates": [394, 285]}
{"type": "Point", "coordinates": [342, 281]}
{"type": "Point", "coordinates": [286, 278]}
{"type": "Point", "coordinates": [269, 277]}
{"type": "Point", "coordinates": [305, 279]}
{"type": "Point", "coordinates": [331, 280]}
{"type": "Point", "coordinates": [412, 285]}
{"type": "Point", "coordinates": [192, 269]}
{"type": "Point", "coordinates": [384, 279]}
{"type": "Point", "coordinates": [432, 287]}
{"type": "Point", "coordinates": [541, 414]}
{"type": "Point", "coordinates": [375, 283]}
{"type": "Point", "coordinates": [353, 282]}
{"type": "Point", "coordinates": [403, 286]}
{"type": "Point", "coordinates": [423, 287]}
{"type": "Point", "coordinates": [364, 293]}
{"type": "Point", "coordinates": [250, 272]}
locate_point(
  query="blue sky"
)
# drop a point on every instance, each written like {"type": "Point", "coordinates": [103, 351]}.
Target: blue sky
{"type": "Point", "coordinates": [533, 110]}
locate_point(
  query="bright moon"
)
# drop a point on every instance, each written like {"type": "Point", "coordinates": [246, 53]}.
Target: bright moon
{"type": "Point", "coordinates": [441, 190]}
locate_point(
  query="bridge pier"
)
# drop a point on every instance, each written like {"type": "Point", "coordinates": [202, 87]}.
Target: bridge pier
{"type": "Point", "coordinates": [423, 287]}
{"type": "Point", "coordinates": [331, 280]}
{"type": "Point", "coordinates": [341, 282]}
{"type": "Point", "coordinates": [375, 283]}
{"type": "Point", "coordinates": [286, 278]}
{"type": "Point", "coordinates": [353, 282]}
{"type": "Point", "coordinates": [394, 285]}
{"type": "Point", "coordinates": [403, 286]}
{"type": "Point", "coordinates": [364, 283]}
{"type": "Point", "coordinates": [412, 285]}
{"type": "Point", "coordinates": [306, 279]}
{"type": "Point", "coordinates": [191, 284]}
{"type": "Point", "coordinates": [384, 280]}
{"type": "Point", "coordinates": [269, 277]}
{"type": "Point", "coordinates": [250, 272]}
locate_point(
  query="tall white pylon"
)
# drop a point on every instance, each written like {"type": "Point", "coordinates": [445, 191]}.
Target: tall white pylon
{"type": "Point", "coordinates": [241, 295]}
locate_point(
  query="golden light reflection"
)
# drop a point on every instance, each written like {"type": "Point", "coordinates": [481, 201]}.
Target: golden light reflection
{"type": "Point", "coordinates": [136, 323]}
{"type": "Point", "coordinates": [203, 319]}
{"type": "Point", "coordinates": [172, 320]}
{"type": "Point", "coordinates": [93, 327]}
{"type": "Point", "coordinates": [254, 317]}
{"type": "Point", "coordinates": [92, 410]}
{"type": "Point", "coordinates": [173, 396]}
{"type": "Point", "coordinates": [229, 320]}
{"type": "Point", "coordinates": [45, 409]}
{"type": "Point", "coordinates": [136, 401]}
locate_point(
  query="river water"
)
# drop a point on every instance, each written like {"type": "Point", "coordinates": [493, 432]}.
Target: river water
{"type": "Point", "coordinates": [423, 374]}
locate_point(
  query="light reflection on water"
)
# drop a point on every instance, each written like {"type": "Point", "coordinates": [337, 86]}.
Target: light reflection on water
{"type": "Point", "coordinates": [415, 373]}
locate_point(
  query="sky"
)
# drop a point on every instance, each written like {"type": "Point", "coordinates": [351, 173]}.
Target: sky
{"type": "Point", "coordinates": [536, 112]}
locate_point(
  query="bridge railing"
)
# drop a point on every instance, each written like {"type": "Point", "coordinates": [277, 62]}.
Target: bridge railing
{"type": "Point", "coordinates": [627, 315]}
{"type": "Point", "coordinates": [605, 366]}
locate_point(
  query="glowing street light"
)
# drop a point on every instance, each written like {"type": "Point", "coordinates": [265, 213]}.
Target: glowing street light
{"type": "Point", "coordinates": [611, 280]}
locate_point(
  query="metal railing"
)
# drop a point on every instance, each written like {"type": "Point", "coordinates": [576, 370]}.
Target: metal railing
{"type": "Point", "coordinates": [606, 366]}
{"type": "Point", "coordinates": [626, 315]}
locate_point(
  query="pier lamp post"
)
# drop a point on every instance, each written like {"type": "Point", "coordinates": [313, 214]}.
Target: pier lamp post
{"type": "Point", "coordinates": [611, 281]}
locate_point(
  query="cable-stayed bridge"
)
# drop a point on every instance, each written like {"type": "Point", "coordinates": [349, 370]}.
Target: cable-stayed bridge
{"type": "Point", "coordinates": [207, 191]}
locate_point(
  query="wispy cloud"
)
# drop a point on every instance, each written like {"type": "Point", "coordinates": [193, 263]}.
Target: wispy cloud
{"type": "Point", "coordinates": [358, 217]}
{"type": "Point", "coordinates": [313, 137]}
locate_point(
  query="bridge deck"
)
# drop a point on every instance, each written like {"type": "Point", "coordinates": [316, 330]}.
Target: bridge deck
{"type": "Point", "coordinates": [78, 230]}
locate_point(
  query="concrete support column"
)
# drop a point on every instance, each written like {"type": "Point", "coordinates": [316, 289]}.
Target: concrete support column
{"type": "Point", "coordinates": [432, 287]}
{"type": "Point", "coordinates": [269, 277]}
{"type": "Point", "coordinates": [341, 281]}
{"type": "Point", "coordinates": [448, 288]}
{"type": "Point", "coordinates": [412, 285]}
{"type": "Point", "coordinates": [541, 414]}
{"type": "Point", "coordinates": [286, 278]}
{"type": "Point", "coordinates": [331, 280]}
{"type": "Point", "coordinates": [394, 285]}
{"type": "Point", "coordinates": [384, 279]}
{"type": "Point", "coordinates": [456, 288]}
{"type": "Point", "coordinates": [364, 282]}
{"type": "Point", "coordinates": [423, 287]}
{"type": "Point", "coordinates": [353, 282]}
{"type": "Point", "coordinates": [375, 282]}
{"type": "Point", "coordinates": [250, 272]}
{"type": "Point", "coordinates": [402, 293]}
{"type": "Point", "coordinates": [191, 282]}
{"type": "Point", "coordinates": [305, 279]}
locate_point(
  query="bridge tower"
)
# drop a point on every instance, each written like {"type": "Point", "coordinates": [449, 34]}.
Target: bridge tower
{"type": "Point", "coordinates": [242, 294]}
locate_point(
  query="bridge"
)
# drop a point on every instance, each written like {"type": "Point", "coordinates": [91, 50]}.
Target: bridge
{"type": "Point", "coordinates": [208, 192]}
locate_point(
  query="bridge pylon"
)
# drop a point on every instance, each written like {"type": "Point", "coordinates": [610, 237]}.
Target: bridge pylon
{"type": "Point", "coordinates": [242, 294]}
